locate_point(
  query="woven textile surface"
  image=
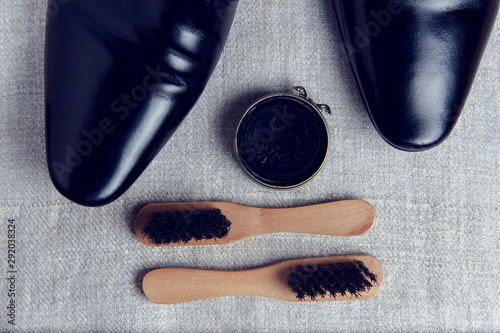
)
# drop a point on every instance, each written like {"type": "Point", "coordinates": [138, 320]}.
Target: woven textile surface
{"type": "Point", "coordinates": [438, 227]}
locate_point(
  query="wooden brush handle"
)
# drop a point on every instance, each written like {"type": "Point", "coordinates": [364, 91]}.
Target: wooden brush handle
{"type": "Point", "coordinates": [177, 285]}
{"type": "Point", "coordinates": [339, 218]}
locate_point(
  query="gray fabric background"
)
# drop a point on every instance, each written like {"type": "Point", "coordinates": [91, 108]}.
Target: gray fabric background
{"type": "Point", "coordinates": [437, 233]}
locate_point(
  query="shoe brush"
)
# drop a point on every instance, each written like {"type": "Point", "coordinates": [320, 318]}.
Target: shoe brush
{"type": "Point", "coordinates": [205, 223]}
{"type": "Point", "coordinates": [336, 278]}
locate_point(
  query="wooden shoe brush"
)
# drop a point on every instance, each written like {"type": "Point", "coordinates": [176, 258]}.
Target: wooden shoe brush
{"type": "Point", "coordinates": [204, 223]}
{"type": "Point", "coordinates": [336, 278]}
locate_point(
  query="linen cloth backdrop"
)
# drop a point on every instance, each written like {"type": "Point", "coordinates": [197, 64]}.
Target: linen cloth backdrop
{"type": "Point", "coordinates": [437, 233]}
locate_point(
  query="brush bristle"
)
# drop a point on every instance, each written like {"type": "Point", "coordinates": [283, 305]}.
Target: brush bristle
{"type": "Point", "coordinates": [335, 279]}
{"type": "Point", "coordinates": [181, 227]}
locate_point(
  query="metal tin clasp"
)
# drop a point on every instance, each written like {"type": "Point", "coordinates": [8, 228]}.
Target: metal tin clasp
{"type": "Point", "coordinates": [301, 91]}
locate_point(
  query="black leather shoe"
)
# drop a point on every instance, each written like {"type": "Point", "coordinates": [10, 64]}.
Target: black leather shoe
{"type": "Point", "coordinates": [415, 62]}
{"type": "Point", "coordinates": [120, 78]}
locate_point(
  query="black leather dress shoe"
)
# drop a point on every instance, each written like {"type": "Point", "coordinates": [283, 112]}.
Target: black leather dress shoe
{"type": "Point", "coordinates": [120, 78]}
{"type": "Point", "coordinates": [415, 62]}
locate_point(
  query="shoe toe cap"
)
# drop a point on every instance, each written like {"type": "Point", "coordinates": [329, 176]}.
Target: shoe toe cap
{"type": "Point", "coordinates": [416, 126]}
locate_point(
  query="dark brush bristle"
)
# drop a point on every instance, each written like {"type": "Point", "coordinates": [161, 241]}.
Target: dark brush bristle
{"type": "Point", "coordinates": [335, 279]}
{"type": "Point", "coordinates": [181, 227]}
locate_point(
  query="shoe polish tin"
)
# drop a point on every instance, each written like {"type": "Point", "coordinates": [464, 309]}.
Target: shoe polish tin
{"type": "Point", "coordinates": [282, 140]}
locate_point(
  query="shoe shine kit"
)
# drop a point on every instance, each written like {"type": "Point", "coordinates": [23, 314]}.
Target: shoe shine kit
{"type": "Point", "coordinates": [122, 75]}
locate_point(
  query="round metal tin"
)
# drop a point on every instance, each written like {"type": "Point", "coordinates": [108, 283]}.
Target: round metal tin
{"type": "Point", "coordinates": [282, 140]}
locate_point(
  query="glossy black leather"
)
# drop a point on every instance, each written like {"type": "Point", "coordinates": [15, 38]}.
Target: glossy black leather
{"type": "Point", "coordinates": [415, 62]}
{"type": "Point", "coordinates": [120, 78]}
